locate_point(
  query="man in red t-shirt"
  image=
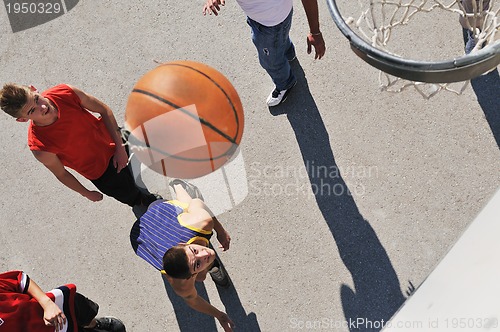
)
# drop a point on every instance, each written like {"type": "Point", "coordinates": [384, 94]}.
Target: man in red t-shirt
{"type": "Point", "coordinates": [63, 133]}
{"type": "Point", "coordinates": [25, 307]}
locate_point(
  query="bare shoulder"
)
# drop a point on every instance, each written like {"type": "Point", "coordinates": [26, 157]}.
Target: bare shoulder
{"type": "Point", "coordinates": [198, 220]}
{"type": "Point", "coordinates": [198, 216]}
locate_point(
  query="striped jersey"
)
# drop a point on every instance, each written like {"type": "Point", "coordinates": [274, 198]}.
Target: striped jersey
{"type": "Point", "coordinates": [161, 228]}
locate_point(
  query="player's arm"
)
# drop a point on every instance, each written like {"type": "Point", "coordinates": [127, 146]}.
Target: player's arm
{"type": "Point", "coordinates": [54, 164]}
{"type": "Point", "coordinates": [205, 219]}
{"type": "Point", "coordinates": [213, 6]}
{"type": "Point", "coordinates": [314, 38]}
{"type": "Point", "coordinates": [222, 235]}
{"type": "Point", "coordinates": [198, 210]}
{"type": "Point", "coordinates": [91, 103]}
{"type": "Point", "coordinates": [52, 315]}
{"type": "Point", "coordinates": [196, 302]}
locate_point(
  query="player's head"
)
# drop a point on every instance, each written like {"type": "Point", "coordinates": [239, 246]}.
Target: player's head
{"type": "Point", "coordinates": [25, 103]}
{"type": "Point", "coordinates": [185, 260]}
{"type": "Point", "coordinates": [13, 97]}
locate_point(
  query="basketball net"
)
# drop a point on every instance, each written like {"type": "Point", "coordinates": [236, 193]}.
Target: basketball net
{"type": "Point", "coordinates": [377, 23]}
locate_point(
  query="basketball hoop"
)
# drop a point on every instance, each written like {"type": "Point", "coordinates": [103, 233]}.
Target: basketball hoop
{"type": "Point", "coordinates": [381, 19]}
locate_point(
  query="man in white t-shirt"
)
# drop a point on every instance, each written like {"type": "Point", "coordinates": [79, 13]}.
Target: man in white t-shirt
{"type": "Point", "coordinates": [270, 21]}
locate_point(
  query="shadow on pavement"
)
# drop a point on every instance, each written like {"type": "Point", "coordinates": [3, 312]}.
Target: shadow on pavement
{"type": "Point", "coordinates": [187, 318]}
{"type": "Point", "coordinates": [487, 89]}
{"type": "Point", "coordinates": [377, 294]}
{"type": "Point", "coordinates": [236, 311]}
{"type": "Point", "coordinates": [190, 320]}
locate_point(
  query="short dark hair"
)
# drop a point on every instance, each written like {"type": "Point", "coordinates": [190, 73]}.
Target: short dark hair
{"type": "Point", "coordinates": [175, 262]}
{"type": "Point", "coordinates": [13, 97]}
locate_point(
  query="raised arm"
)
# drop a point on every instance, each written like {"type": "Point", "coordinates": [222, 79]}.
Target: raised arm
{"type": "Point", "coordinates": [54, 164]}
{"type": "Point", "coordinates": [200, 215]}
{"type": "Point", "coordinates": [198, 210]}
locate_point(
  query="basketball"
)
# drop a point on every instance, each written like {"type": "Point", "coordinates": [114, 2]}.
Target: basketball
{"type": "Point", "coordinates": [185, 119]}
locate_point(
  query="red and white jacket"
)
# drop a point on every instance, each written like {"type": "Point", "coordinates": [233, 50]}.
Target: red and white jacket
{"type": "Point", "coordinates": [19, 312]}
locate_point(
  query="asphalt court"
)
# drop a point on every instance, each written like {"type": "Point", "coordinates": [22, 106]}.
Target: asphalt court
{"type": "Point", "coordinates": [305, 254]}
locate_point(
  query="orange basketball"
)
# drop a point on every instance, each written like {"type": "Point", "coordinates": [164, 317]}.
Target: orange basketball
{"type": "Point", "coordinates": [185, 119]}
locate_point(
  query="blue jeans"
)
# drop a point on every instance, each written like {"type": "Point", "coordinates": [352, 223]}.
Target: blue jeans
{"type": "Point", "coordinates": [275, 49]}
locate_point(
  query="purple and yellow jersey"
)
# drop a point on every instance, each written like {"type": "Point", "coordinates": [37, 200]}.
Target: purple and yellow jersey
{"type": "Point", "coordinates": [161, 228]}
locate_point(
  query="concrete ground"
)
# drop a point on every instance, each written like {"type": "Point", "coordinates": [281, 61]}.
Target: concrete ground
{"type": "Point", "coordinates": [305, 255]}
{"type": "Point", "coordinates": [461, 293]}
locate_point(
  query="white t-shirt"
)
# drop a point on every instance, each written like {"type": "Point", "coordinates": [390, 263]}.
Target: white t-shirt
{"type": "Point", "coordinates": [266, 12]}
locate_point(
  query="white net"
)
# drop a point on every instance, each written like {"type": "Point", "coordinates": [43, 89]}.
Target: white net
{"type": "Point", "coordinates": [382, 24]}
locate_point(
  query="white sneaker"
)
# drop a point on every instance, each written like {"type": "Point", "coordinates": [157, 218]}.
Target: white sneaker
{"type": "Point", "coordinates": [277, 97]}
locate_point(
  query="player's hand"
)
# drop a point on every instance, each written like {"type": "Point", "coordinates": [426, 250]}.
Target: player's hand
{"type": "Point", "coordinates": [318, 43]}
{"type": "Point", "coordinates": [120, 159]}
{"type": "Point", "coordinates": [224, 240]}
{"type": "Point", "coordinates": [213, 6]}
{"type": "Point", "coordinates": [226, 322]}
{"type": "Point", "coordinates": [53, 316]}
{"type": "Point", "coordinates": [93, 195]}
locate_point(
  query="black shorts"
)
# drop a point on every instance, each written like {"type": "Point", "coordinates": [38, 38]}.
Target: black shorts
{"type": "Point", "coordinates": [121, 186]}
{"type": "Point", "coordinates": [85, 311]}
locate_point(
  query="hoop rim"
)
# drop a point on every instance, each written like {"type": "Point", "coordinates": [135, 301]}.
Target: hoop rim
{"type": "Point", "coordinates": [462, 68]}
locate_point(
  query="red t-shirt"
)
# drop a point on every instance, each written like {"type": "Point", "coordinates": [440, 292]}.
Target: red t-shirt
{"type": "Point", "coordinates": [19, 312]}
{"type": "Point", "coordinates": [78, 138]}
